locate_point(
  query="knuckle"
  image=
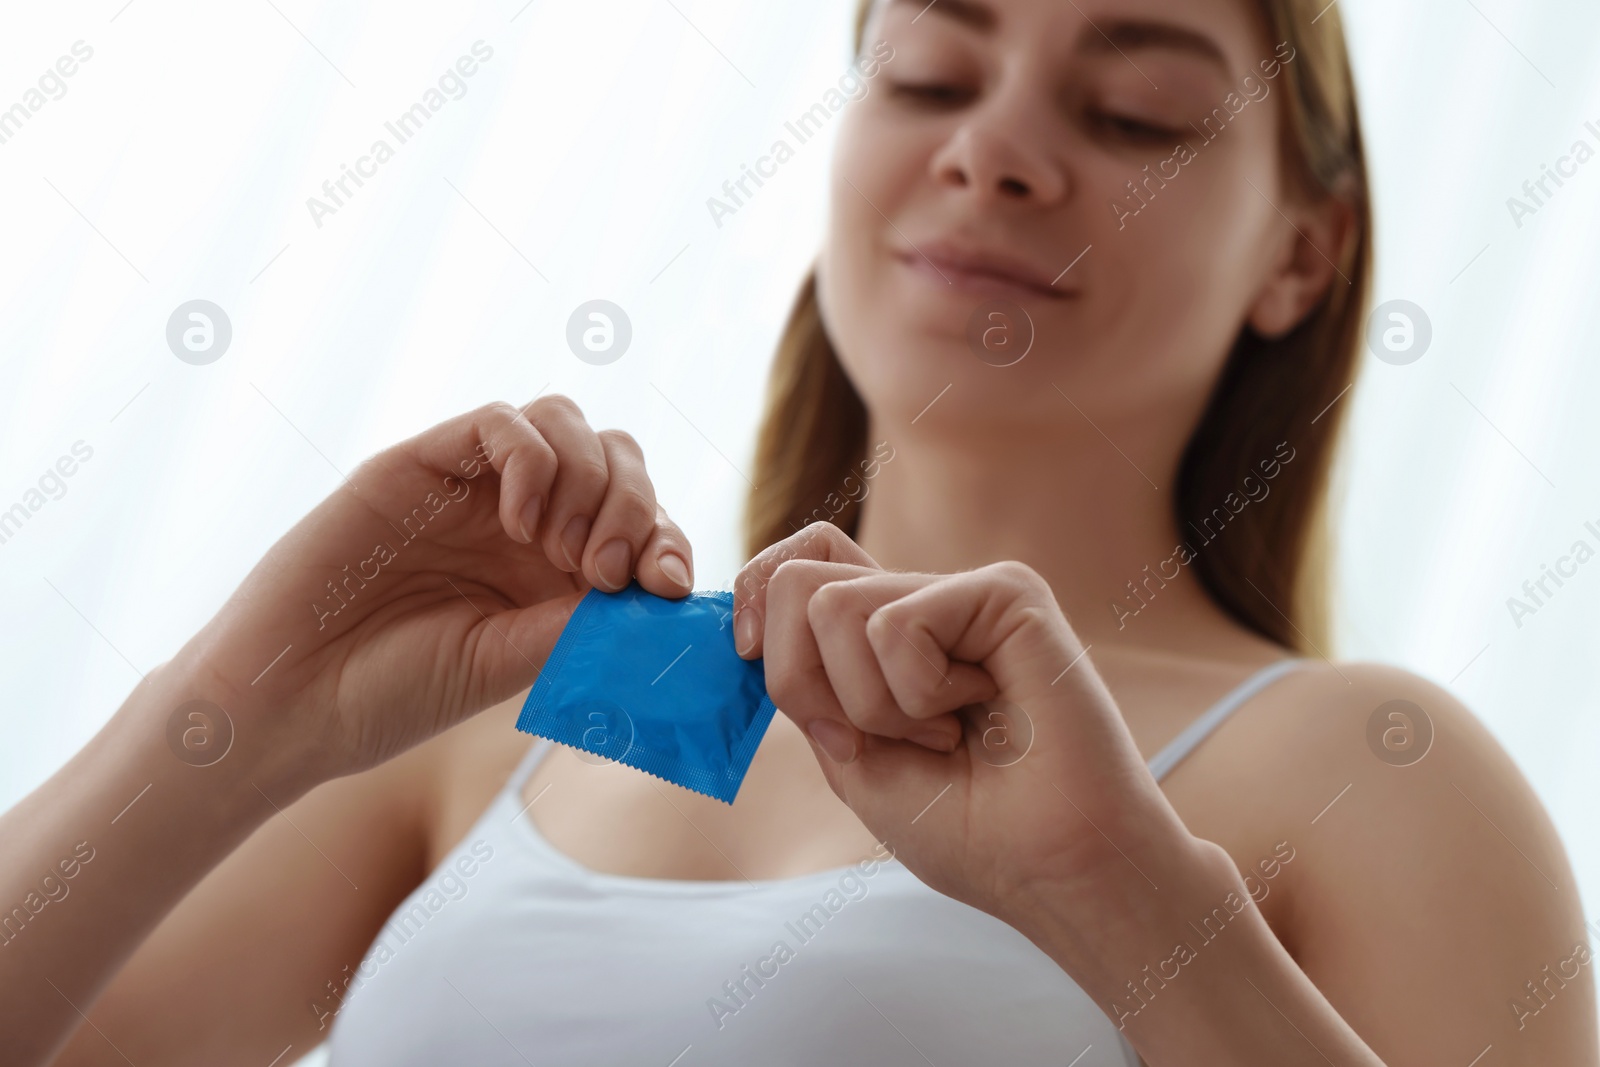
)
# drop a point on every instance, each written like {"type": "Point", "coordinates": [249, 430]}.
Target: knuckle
{"type": "Point", "coordinates": [490, 421]}
{"type": "Point", "coordinates": [830, 603]}
{"type": "Point", "coordinates": [787, 579]}
{"type": "Point", "coordinates": [763, 566]}
{"type": "Point", "coordinates": [632, 510]}
{"type": "Point", "coordinates": [1037, 617]}
{"type": "Point", "coordinates": [556, 404]}
{"type": "Point", "coordinates": [1017, 575]}
{"type": "Point", "coordinates": [783, 575]}
{"type": "Point", "coordinates": [668, 528]}
{"type": "Point", "coordinates": [824, 535]}
{"type": "Point", "coordinates": [775, 557]}
{"type": "Point", "coordinates": [620, 439]}
{"type": "Point", "coordinates": [882, 625]}
{"type": "Point", "coordinates": [544, 450]}
{"type": "Point", "coordinates": [584, 473]}
{"type": "Point", "coordinates": [802, 544]}
{"type": "Point", "coordinates": [500, 411]}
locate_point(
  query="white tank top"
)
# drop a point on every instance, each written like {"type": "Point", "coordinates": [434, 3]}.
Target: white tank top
{"type": "Point", "coordinates": [511, 953]}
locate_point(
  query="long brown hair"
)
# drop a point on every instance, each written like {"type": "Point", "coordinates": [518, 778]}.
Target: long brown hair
{"type": "Point", "coordinates": [1271, 572]}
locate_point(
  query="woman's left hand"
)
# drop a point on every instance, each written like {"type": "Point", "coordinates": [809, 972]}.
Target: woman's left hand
{"type": "Point", "coordinates": [1024, 781]}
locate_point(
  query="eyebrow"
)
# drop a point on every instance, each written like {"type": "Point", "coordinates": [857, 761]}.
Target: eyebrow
{"type": "Point", "coordinates": [1118, 36]}
{"type": "Point", "coordinates": [971, 13]}
{"type": "Point", "coordinates": [1138, 34]}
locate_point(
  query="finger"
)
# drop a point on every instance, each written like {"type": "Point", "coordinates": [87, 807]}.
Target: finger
{"type": "Point", "coordinates": [1002, 618]}
{"type": "Point", "coordinates": [666, 565]}
{"type": "Point", "coordinates": [928, 682]}
{"type": "Point", "coordinates": [838, 613]}
{"type": "Point", "coordinates": [515, 642]}
{"type": "Point", "coordinates": [796, 679]}
{"type": "Point", "coordinates": [530, 482]}
{"type": "Point", "coordinates": [497, 436]}
{"type": "Point", "coordinates": [581, 475]}
{"type": "Point", "coordinates": [818, 541]}
{"type": "Point", "coordinates": [626, 517]}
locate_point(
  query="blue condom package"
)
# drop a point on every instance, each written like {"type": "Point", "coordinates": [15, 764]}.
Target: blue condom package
{"type": "Point", "coordinates": [654, 683]}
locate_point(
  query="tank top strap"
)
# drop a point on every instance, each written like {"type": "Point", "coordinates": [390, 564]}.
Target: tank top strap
{"type": "Point", "coordinates": [529, 761]}
{"type": "Point", "coordinates": [1190, 736]}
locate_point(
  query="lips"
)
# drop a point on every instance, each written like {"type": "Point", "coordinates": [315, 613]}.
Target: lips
{"type": "Point", "coordinates": [977, 268]}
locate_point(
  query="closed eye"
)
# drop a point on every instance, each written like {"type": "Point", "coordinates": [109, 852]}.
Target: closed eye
{"type": "Point", "coordinates": [933, 93]}
{"type": "Point", "coordinates": [1130, 129]}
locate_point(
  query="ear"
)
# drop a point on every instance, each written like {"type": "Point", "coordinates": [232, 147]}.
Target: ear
{"type": "Point", "coordinates": [1311, 244]}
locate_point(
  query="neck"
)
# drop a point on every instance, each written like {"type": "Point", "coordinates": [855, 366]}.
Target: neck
{"type": "Point", "coordinates": [1088, 515]}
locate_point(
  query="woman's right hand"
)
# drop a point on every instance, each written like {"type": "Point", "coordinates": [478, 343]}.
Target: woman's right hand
{"type": "Point", "coordinates": [430, 586]}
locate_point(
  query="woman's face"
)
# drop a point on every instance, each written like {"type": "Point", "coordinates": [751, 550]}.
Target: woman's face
{"type": "Point", "coordinates": [1004, 134]}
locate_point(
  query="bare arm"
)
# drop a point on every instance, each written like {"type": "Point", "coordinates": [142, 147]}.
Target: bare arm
{"type": "Point", "coordinates": [424, 590]}
{"type": "Point", "coordinates": [231, 973]}
{"type": "Point", "coordinates": [1436, 907]}
{"type": "Point", "coordinates": [119, 878]}
{"type": "Point", "coordinates": [1433, 913]}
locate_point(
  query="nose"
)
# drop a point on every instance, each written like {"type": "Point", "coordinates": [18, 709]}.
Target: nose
{"type": "Point", "coordinates": [1003, 153]}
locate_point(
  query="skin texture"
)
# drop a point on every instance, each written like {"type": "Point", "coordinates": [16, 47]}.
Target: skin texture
{"type": "Point", "coordinates": [1417, 902]}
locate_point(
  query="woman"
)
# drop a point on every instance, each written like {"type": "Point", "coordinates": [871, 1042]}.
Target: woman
{"type": "Point", "coordinates": [1162, 207]}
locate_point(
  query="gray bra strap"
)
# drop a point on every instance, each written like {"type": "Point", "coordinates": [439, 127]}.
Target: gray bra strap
{"type": "Point", "coordinates": [1197, 731]}
{"type": "Point", "coordinates": [529, 761]}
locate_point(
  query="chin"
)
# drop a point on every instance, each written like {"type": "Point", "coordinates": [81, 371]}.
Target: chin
{"type": "Point", "coordinates": [902, 342]}
{"type": "Point", "coordinates": [912, 382]}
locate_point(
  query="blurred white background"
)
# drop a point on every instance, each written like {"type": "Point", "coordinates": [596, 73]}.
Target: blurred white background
{"type": "Point", "coordinates": [178, 162]}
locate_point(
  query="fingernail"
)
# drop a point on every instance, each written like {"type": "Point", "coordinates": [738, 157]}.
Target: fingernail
{"type": "Point", "coordinates": [673, 566]}
{"type": "Point", "coordinates": [938, 740]}
{"type": "Point", "coordinates": [834, 739]}
{"type": "Point", "coordinates": [530, 518]}
{"type": "Point", "coordinates": [611, 563]}
{"type": "Point", "coordinates": [572, 540]}
{"type": "Point", "coordinates": [744, 630]}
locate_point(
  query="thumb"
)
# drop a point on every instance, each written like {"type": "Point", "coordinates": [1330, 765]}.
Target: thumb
{"type": "Point", "coordinates": [517, 642]}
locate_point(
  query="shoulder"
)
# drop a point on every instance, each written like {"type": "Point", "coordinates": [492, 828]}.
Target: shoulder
{"type": "Point", "coordinates": [1372, 757]}
{"type": "Point", "coordinates": [1374, 721]}
{"type": "Point", "coordinates": [1426, 870]}
{"type": "Point", "coordinates": [1389, 739]}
